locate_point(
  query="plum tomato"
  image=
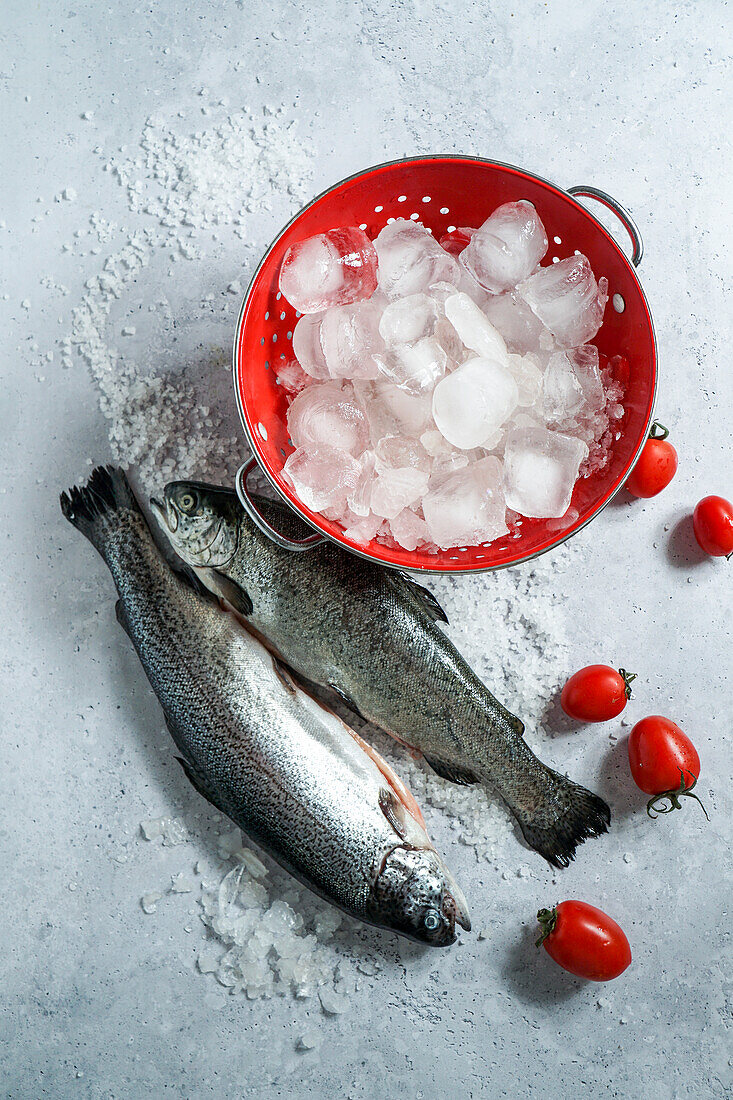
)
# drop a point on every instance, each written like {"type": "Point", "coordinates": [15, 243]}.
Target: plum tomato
{"type": "Point", "coordinates": [656, 465]}
{"type": "Point", "coordinates": [713, 524]}
{"type": "Point", "coordinates": [664, 763]}
{"type": "Point", "coordinates": [596, 693]}
{"type": "Point", "coordinates": [584, 940]}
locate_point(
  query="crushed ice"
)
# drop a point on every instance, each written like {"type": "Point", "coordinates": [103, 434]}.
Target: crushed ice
{"type": "Point", "coordinates": [474, 344]}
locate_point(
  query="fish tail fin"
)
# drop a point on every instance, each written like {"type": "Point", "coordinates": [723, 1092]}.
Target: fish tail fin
{"type": "Point", "coordinates": [95, 508]}
{"type": "Point", "coordinates": [562, 817]}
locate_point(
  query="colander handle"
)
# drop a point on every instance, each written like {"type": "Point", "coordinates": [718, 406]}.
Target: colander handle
{"type": "Point", "coordinates": [240, 484]}
{"type": "Point", "coordinates": [621, 213]}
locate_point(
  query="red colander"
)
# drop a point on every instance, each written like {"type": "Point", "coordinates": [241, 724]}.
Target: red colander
{"type": "Point", "coordinates": [444, 192]}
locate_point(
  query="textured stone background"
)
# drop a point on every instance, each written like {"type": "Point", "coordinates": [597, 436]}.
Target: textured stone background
{"type": "Point", "coordinates": [99, 1000]}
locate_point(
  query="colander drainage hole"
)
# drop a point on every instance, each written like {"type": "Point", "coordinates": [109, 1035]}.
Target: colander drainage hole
{"type": "Point", "coordinates": [618, 303]}
{"type": "Point", "coordinates": [262, 430]}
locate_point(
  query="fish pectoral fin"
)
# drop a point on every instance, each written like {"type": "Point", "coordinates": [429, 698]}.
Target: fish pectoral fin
{"type": "Point", "coordinates": [198, 781]}
{"type": "Point", "coordinates": [409, 830]}
{"type": "Point", "coordinates": [423, 596]}
{"type": "Point", "coordinates": [228, 589]}
{"type": "Point", "coordinates": [454, 773]}
{"type": "Point", "coordinates": [188, 574]}
{"type": "Point", "coordinates": [285, 676]}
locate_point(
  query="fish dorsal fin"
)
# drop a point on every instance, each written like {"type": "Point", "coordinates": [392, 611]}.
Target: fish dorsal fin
{"type": "Point", "coordinates": [200, 783]}
{"type": "Point", "coordinates": [226, 588]}
{"type": "Point", "coordinates": [421, 596]}
{"type": "Point", "coordinates": [454, 773]}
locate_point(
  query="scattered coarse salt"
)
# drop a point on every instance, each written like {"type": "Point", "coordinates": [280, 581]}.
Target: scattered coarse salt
{"type": "Point", "coordinates": [149, 901]}
{"type": "Point", "coordinates": [171, 829]}
{"type": "Point", "coordinates": [180, 884]}
{"type": "Point", "coordinates": [333, 1004]}
{"type": "Point", "coordinates": [309, 1040]}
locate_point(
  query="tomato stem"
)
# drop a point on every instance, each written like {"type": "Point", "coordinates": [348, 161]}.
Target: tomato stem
{"type": "Point", "coordinates": [657, 802]}
{"type": "Point", "coordinates": [548, 920]}
{"type": "Point", "coordinates": [658, 431]}
{"type": "Point", "coordinates": [627, 678]}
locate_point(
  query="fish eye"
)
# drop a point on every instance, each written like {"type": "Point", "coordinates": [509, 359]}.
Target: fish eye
{"type": "Point", "coordinates": [187, 502]}
{"type": "Point", "coordinates": [431, 920]}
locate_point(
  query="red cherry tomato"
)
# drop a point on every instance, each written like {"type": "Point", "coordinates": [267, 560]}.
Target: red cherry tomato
{"type": "Point", "coordinates": [656, 466]}
{"type": "Point", "coordinates": [713, 524]}
{"type": "Point", "coordinates": [596, 693]}
{"type": "Point", "coordinates": [664, 763]}
{"type": "Point", "coordinates": [584, 940]}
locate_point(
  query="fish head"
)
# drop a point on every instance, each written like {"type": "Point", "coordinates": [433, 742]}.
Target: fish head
{"type": "Point", "coordinates": [201, 522]}
{"type": "Point", "coordinates": [414, 895]}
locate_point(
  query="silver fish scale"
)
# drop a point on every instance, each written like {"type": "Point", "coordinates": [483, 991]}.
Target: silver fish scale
{"type": "Point", "coordinates": [289, 773]}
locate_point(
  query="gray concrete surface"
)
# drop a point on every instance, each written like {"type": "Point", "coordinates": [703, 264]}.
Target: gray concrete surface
{"type": "Point", "coordinates": [99, 1000]}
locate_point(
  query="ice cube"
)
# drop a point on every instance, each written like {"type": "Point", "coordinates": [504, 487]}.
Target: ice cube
{"type": "Point", "coordinates": [466, 284]}
{"type": "Point", "coordinates": [450, 342]}
{"type": "Point", "coordinates": [392, 411]}
{"type": "Point", "coordinates": [474, 328]}
{"type": "Point", "coordinates": [567, 299]}
{"type": "Point", "coordinates": [414, 367]}
{"type": "Point", "coordinates": [528, 377]}
{"type": "Point", "coordinates": [409, 530]}
{"type": "Point", "coordinates": [362, 529]}
{"type": "Point", "coordinates": [435, 442]}
{"type": "Point", "coordinates": [472, 402]}
{"type": "Point", "coordinates": [455, 241]}
{"type": "Point", "coordinates": [410, 260]}
{"type": "Point", "coordinates": [328, 413]}
{"type": "Point", "coordinates": [467, 507]}
{"type": "Point", "coordinates": [359, 498]}
{"type": "Point", "coordinates": [510, 314]}
{"type": "Point", "coordinates": [291, 376]}
{"type": "Point", "coordinates": [562, 394]}
{"type": "Point", "coordinates": [507, 247]}
{"type": "Point", "coordinates": [321, 476]}
{"type": "Point", "coordinates": [585, 362]}
{"type": "Point", "coordinates": [332, 268]}
{"type": "Point", "coordinates": [307, 345]}
{"type": "Point", "coordinates": [394, 452]}
{"type": "Point", "coordinates": [407, 320]}
{"type": "Point", "coordinates": [395, 489]}
{"type": "Point", "coordinates": [446, 464]}
{"type": "Point", "coordinates": [349, 337]}
{"type": "Point", "coordinates": [572, 386]}
{"type": "Point", "coordinates": [540, 471]}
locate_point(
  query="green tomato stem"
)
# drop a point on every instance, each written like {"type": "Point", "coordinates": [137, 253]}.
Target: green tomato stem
{"type": "Point", "coordinates": [656, 804]}
{"type": "Point", "coordinates": [627, 678]}
{"type": "Point", "coordinates": [658, 431]}
{"type": "Point", "coordinates": [548, 920]}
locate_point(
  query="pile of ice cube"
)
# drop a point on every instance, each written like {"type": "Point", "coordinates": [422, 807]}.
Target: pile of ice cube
{"type": "Point", "coordinates": [442, 391]}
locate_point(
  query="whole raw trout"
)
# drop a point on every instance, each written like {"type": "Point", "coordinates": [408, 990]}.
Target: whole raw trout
{"type": "Point", "coordinates": [284, 768]}
{"type": "Point", "coordinates": [371, 635]}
